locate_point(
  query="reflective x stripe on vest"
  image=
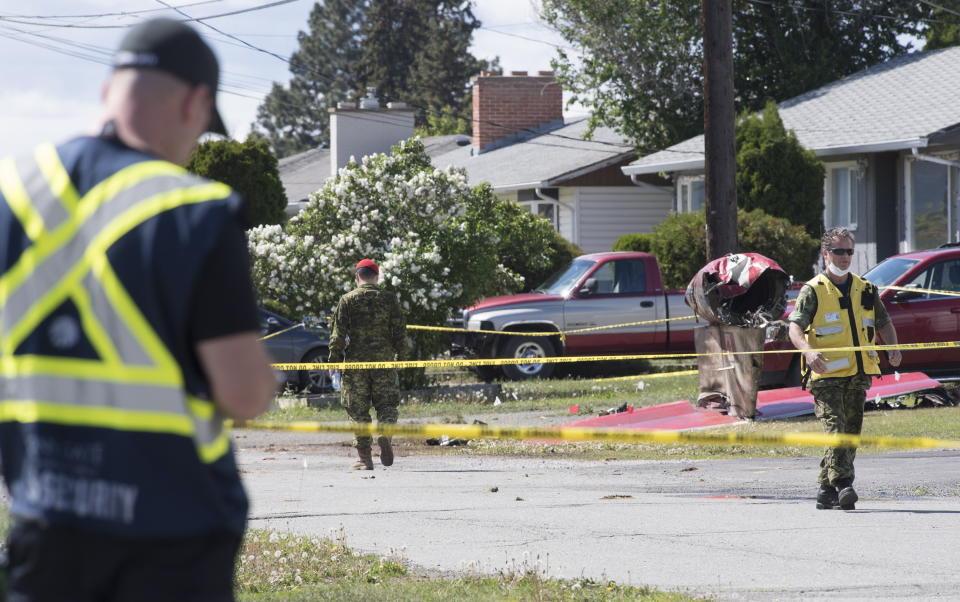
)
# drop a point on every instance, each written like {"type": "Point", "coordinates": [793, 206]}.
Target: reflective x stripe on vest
{"type": "Point", "coordinates": [136, 384]}
{"type": "Point", "coordinates": [836, 326]}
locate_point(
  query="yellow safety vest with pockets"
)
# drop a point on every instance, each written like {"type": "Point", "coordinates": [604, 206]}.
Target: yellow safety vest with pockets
{"type": "Point", "coordinates": [844, 321]}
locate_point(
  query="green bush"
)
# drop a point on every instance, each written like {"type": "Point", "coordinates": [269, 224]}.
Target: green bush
{"type": "Point", "coordinates": [776, 174]}
{"type": "Point", "coordinates": [562, 252]}
{"type": "Point", "coordinates": [679, 243]}
{"type": "Point", "coordinates": [521, 238]}
{"type": "Point", "coordinates": [248, 167]}
{"type": "Point", "coordinates": [638, 242]}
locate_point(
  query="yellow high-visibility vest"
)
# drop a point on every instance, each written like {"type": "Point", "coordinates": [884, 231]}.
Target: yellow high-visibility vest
{"type": "Point", "coordinates": [844, 322]}
{"type": "Point", "coordinates": [135, 384]}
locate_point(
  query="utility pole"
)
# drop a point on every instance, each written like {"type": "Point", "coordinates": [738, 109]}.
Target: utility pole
{"type": "Point", "coordinates": [720, 188]}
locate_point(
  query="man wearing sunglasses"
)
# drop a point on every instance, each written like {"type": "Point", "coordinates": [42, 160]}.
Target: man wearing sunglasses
{"type": "Point", "coordinates": [838, 309]}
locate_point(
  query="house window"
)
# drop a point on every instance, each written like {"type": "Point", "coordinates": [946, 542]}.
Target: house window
{"type": "Point", "coordinates": [547, 209]}
{"type": "Point", "coordinates": [690, 194]}
{"type": "Point", "coordinates": [842, 195]}
{"type": "Point", "coordinates": [929, 209]}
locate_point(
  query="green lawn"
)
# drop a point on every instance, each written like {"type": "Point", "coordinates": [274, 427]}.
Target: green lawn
{"type": "Point", "coordinates": [591, 395]}
{"type": "Point", "coordinates": [281, 566]}
{"type": "Point", "coordinates": [291, 568]}
{"type": "Point", "coordinates": [557, 396]}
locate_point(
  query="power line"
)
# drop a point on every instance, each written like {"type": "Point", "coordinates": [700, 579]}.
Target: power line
{"type": "Point", "coordinates": [114, 14]}
{"type": "Point", "coordinates": [852, 13]}
{"type": "Point", "coordinates": [197, 19]}
{"type": "Point", "coordinates": [943, 8]}
{"type": "Point", "coordinates": [529, 39]}
{"type": "Point", "coordinates": [428, 109]}
{"type": "Point", "coordinates": [200, 20]}
{"type": "Point", "coordinates": [238, 89]}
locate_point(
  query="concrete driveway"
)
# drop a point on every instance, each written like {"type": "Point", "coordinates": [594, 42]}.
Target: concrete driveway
{"type": "Point", "coordinates": [735, 529]}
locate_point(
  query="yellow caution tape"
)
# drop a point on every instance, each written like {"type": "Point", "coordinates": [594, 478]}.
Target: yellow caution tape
{"type": "Point", "coordinates": [922, 290]}
{"type": "Point", "coordinates": [567, 359]}
{"type": "Point", "coordinates": [451, 329]}
{"type": "Point", "coordinates": [555, 333]}
{"type": "Point", "coordinates": [564, 333]}
{"type": "Point", "coordinates": [643, 323]}
{"type": "Point", "coordinates": [469, 431]}
{"type": "Point", "coordinates": [273, 334]}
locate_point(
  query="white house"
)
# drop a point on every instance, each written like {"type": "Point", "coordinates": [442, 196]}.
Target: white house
{"type": "Point", "coordinates": [889, 137]}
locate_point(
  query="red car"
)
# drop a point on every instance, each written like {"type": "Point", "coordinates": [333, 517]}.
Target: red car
{"type": "Point", "coordinates": [918, 317]}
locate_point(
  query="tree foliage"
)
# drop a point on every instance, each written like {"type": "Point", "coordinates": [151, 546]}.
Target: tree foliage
{"type": "Point", "coordinates": [776, 174]}
{"type": "Point", "coordinates": [679, 243]}
{"type": "Point", "coordinates": [640, 65]}
{"type": "Point", "coordinates": [416, 51]}
{"type": "Point", "coordinates": [943, 30]}
{"type": "Point", "coordinates": [250, 169]}
{"type": "Point", "coordinates": [437, 240]}
{"type": "Point", "coordinates": [324, 71]}
{"type": "Point", "coordinates": [526, 244]}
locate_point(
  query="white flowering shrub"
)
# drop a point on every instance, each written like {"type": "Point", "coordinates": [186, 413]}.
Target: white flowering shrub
{"type": "Point", "coordinates": [434, 237]}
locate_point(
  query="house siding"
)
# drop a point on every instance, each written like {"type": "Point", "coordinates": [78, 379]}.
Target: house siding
{"type": "Point", "coordinates": [608, 212]}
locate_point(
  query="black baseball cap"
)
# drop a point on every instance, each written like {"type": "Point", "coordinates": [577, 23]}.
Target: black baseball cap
{"type": "Point", "coordinates": [173, 47]}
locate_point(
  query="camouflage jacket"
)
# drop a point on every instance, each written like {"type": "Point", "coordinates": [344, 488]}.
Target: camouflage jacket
{"type": "Point", "coordinates": [368, 326]}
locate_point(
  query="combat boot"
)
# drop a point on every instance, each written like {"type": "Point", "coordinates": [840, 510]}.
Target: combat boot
{"type": "Point", "coordinates": [848, 498]}
{"type": "Point", "coordinates": [366, 459]}
{"type": "Point", "coordinates": [827, 498]}
{"type": "Point", "coordinates": [386, 450]}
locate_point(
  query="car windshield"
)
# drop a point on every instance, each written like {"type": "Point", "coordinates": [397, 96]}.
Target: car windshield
{"type": "Point", "coordinates": [561, 282]}
{"type": "Point", "coordinates": [888, 270]}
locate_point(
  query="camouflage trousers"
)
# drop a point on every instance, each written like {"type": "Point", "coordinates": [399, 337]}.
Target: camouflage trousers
{"type": "Point", "coordinates": [839, 405]}
{"type": "Point", "coordinates": [366, 389]}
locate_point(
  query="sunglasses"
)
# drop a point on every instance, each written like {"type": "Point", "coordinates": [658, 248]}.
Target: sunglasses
{"type": "Point", "coordinates": [842, 251]}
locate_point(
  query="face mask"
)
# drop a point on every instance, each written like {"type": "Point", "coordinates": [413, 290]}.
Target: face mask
{"type": "Point", "coordinates": [837, 271]}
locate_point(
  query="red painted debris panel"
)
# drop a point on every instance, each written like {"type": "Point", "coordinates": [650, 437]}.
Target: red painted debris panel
{"type": "Point", "coordinates": [771, 405]}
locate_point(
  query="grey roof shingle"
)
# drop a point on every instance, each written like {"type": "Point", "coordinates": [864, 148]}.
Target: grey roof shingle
{"type": "Point", "coordinates": [542, 160]}
{"type": "Point", "coordinates": [307, 172]}
{"type": "Point", "coordinates": [304, 173]}
{"type": "Point", "coordinates": [894, 105]}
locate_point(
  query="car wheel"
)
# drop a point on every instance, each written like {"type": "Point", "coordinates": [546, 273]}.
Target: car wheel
{"type": "Point", "coordinates": [315, 381]}
{"type": "Point", "coordinates": [527, 347]}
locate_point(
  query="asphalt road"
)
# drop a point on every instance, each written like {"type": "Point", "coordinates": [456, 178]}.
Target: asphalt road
{"type": "Point", "coordinates": [734, 529]}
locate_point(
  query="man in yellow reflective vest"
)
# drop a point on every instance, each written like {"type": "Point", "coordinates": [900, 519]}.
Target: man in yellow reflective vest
{"type": "Point", "coordinates": [839, 309]}
{"type": "Point", "coordinates": [128, 333]}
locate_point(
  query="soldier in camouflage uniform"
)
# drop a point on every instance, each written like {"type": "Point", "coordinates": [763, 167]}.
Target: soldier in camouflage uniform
{"type": "Point", "coordinates": [368, 326]}
{"type": "Point", "coordinates": [839, 309]}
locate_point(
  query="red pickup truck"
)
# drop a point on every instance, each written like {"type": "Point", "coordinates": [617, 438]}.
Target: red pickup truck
{"type": "Point", "coordinates": [600, 289]}
{"type": "Point", "coordinates": [918, 317]}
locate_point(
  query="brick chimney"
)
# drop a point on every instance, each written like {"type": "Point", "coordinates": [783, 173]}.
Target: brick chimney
{"type": "Point", "coordinates": [505, 106]}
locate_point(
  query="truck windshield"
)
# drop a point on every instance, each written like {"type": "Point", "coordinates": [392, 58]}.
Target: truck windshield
{"type": "Point", "coordinates": [561, 282]}
{"type": "Point", "coordinates": [888, 270]}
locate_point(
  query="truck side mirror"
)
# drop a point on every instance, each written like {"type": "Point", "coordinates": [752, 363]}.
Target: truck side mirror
{"type": "Point", "coordinates": [589, 287]}
{"type": "Point", "coordinates": [901, 296]}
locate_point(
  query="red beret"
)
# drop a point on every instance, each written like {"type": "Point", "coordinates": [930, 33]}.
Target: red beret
{"type": "Point", "coordinates": [368, 263]}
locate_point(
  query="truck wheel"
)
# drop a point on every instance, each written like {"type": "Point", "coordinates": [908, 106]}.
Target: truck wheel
{"type": "Point", "coordinates": [524, 347]}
